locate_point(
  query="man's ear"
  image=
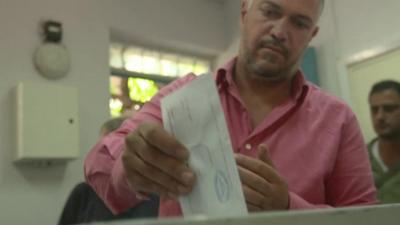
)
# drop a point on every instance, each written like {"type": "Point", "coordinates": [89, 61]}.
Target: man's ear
{"type": "Point", "coordinates": [315, 32]}
{"type": "Point", "coordinates": [244, 7]}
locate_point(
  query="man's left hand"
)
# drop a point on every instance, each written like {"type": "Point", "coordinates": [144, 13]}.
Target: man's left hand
{"type": "Point", "coordinates": [263, 187]}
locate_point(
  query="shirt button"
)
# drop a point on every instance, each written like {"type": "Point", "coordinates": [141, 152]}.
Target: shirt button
{"type": "Point", "coordinates": [247, 146]}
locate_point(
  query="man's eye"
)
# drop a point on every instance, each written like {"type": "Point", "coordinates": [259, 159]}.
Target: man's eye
{"type": "Point", "coordinates": [390, 108]}
{"type": "Point", "coordinates": [300, 24]}
{"type": "Point", "coordinates": [270, 13]}
{"type": "Point", "coordinates": [374, 110]}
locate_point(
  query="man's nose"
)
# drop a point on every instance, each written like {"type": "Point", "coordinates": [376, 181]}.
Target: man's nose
{"type": "Point", "coordinates": [280, 30]}
{"type": "Point", "coordinates": [380, 114]}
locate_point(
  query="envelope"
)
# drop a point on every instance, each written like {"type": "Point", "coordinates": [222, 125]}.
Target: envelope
{"type": "Point", "coordinates": [193, 115]}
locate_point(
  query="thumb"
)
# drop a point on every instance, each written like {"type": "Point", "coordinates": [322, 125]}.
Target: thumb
{"type": "Point", "coordinates": [263, 155]}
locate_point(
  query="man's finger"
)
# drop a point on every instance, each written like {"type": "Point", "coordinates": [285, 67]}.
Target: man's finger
{"type": "Point", "coordinates": [157, 165]}
{"type": "Point", "coordinates": [156, 136]}
{"type": "Point", "coordinates": [258, 167]}
{"type": "Point", "coordinates": [264, 156]}
{"type": "Point", "coordinates": [253, 208]}
{"type": "Point", "coordinates": [142, 184]}
{"type": "Point", "coordinates": [254, 181]}
{"type": "Point", "coordinates": [252, 197]}
{"type": "Point", "coordinates": [156, 176]}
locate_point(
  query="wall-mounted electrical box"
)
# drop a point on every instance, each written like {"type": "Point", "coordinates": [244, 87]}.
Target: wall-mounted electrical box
{"type": "Point", "coordinates": [47, 122]}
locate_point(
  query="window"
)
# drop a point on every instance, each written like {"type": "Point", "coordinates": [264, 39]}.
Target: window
{"type": "Point", "coordinates": [137, 74]}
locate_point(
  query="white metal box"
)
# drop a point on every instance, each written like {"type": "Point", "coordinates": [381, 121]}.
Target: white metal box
{"type": "Point", "coordinates": [47, 122]}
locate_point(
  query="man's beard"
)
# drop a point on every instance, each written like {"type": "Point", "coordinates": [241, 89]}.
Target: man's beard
{"type": "Point", "coordinates": [391, 136]}
{"type": "Point", "coordinates": [269, 72]}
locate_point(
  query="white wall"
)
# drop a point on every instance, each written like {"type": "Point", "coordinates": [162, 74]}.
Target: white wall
{"type": "Point", "coordinates": [327, 50]}
{"type": "Point", "coordinates": [232, 11]}
{"type": "Point", "coordinates": [366, 28]}
{"type": "Point", "coordinates": [366, 24]}
{"type": "Point", "coordinates": [232, 19]}
{"type": "Point", "coordinates": [30, 195]}
{"type": "Point", "coordinates": [190, 26]}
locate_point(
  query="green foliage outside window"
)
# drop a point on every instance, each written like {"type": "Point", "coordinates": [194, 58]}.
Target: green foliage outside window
{"type": "Point", "coordinates": [131, 93]}
{"type": "Point", "coordinates": [115, 107]}
{"type": "Point", "coordinates": [141, 90]}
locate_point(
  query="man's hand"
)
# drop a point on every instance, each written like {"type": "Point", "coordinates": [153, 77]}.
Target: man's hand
{"type": "Point", "coordinates": [155, 162]}
{"type": "Point", "coordinates": [263, 188]}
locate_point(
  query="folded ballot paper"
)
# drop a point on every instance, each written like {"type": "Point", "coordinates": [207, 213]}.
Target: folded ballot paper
{"type": "Point", "coordinates": [193, 114]}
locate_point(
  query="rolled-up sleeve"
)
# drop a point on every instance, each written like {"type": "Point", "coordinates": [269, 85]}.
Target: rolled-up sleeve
{"type": "Point", "coordinates": [104, 172]}
{"type": "Point", "coordinates": [103, 167]}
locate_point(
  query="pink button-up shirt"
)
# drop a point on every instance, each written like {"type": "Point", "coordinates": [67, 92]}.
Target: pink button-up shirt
{"type": "Point", "coordinates": [313, 139]}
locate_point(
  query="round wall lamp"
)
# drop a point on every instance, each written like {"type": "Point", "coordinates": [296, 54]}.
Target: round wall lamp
{"type": "Point", "coordinates": [51, 58]}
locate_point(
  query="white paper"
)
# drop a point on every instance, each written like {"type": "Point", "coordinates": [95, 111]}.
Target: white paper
{"type": "Point", "coordinates": [193, 114]}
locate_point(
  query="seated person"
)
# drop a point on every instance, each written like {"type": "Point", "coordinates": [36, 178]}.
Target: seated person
{"type": "Point", "coordinates": [384, 150]}
{"type": "Point", "coordinates": [84, 205]}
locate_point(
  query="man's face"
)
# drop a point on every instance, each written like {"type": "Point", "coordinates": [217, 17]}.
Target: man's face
{"type": "Point", "coordinates": [275, 33]}
{"type": "Point", "coordinates": [385, 113]}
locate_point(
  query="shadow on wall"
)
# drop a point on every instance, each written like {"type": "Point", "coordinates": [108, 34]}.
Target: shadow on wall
{"type": "Point", "coordinates": [42, 173]}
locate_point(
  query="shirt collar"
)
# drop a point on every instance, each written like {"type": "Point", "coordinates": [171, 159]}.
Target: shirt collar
{"type": "Point", "coordinates": [224, 79]}
{"type": "Point", "coordinates": [224, 75]}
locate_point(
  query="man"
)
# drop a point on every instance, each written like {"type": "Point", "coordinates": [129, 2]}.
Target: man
{"type": "Point", "coordinates": [384, 100]}
{"type": "Point", "coordinates": [296, 147]}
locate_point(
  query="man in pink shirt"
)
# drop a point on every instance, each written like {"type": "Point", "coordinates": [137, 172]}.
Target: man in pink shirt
{"type": "Point", "coordinates": [296, 147]}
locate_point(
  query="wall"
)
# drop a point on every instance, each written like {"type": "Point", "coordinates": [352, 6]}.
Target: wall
{"type": "Point", "coordinates": [366, 24]}
{"type": "Point", "coordinates": [232, 19]}
{"type": "Point", "coordinates": [327, 51]}
{"type": "Point", "coordinates": [189, 26]}
{"type": "Point", "coordinates": [365, 28]}
{"type": "Point", "coordinates": [31, 195]}
{"type": "Point", "coordinates": [232, 10]}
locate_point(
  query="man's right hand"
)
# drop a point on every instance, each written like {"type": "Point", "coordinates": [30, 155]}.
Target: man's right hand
{"type": "Point", "coordinates": [155, 162]}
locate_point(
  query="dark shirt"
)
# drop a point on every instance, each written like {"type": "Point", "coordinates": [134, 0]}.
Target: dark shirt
{"type": "Point", "coordinates": [387, 182]}
{"type": "Point", "coordinates": [83, 206]}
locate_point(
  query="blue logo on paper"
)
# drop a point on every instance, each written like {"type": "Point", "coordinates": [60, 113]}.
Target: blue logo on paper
{"type": "Point", "coordinates": [222, 187]}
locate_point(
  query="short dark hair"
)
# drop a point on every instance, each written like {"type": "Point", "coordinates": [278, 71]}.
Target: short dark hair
{"type": "Point", "coordinates": [385, 85]}
{"type": "Point", "coordinates": [112, 124]}
{"type": "Point", "coordinates": [321, 5]}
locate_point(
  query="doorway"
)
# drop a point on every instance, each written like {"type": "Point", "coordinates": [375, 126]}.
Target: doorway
{"type": "Point", "coordinates": [362, 76]}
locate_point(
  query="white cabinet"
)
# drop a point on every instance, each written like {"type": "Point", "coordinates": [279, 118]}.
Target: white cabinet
{"type": "Point", "coordinates": [47, 122]}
